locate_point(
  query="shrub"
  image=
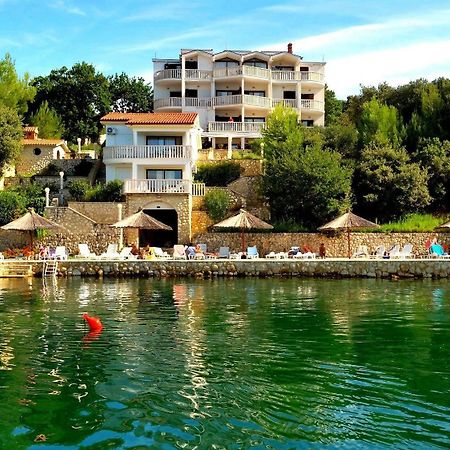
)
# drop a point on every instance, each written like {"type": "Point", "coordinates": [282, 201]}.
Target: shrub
{"type": "Point", "coordinates": [78, 189]}
{"type": "Point", "coordinates": [32, 195]}
{"type": "Point", "coordinates": [217, 202]}
{"type": "Point", "coordinates": [83, 168]}
{"type": "Point", "coordinates": [108, 192]}
{"type": "Point", "coordinates": [219, 174]}
{"type": "Point", "coordinates": [12, 205]}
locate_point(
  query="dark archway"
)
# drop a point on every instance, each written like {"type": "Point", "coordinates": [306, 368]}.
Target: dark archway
{"type": "Point", "coordinates": [160, 238]}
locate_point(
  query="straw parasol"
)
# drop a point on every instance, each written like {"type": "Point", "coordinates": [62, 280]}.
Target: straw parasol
{"type": "Point", "coordinates": [348, 222]}
{"type": "Point", "coordinates": [32, 221]}
{"type": "Point", "coordinates": [141, 221]}
{"type": "Point", "coordinates": [244, 221]}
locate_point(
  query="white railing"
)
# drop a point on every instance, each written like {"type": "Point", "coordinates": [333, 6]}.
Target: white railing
{"type": "Point", "coordinates": [254, 127]}
{"type": "Point", "coordinates": [198, 189]}
{"type": "Point", "coordinates": [288, 75]}
{"type": "Point", "coordinates": [312, 104]}
{"type": "Point", "coordinates": [147, 152]}
{"type": "Point", "coordinates": [168, 74]}
{"type": "Point", "coordinates": [196, 74]}
{"type": "Point", "coordinates": [157, 186]}
{"type": "Point", "coordinates": [251, 100]}
{"type": "Point", "coordinates": [228, 72]}
{"type": "Point", "coordinates": [290, 102]}
{"type": "Point", "coordinates": [258, 72]}
{"type": "Point", "coordinates": [197, 102]}
{"type": "Point", "coordinates": [169, 102]}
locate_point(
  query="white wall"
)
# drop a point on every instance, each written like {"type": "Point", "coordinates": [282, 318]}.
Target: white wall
{"type": "Point", "coordinates": [123, 136]}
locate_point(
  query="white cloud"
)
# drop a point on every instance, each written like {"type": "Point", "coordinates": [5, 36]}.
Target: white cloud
{"type": "Point", "coordinates": [395, 66]}
{"type": "Point", "coordinates": [67, 7]}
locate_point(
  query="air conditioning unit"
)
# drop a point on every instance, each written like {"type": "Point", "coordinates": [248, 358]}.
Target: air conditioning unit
{"type": "Point", "coordinates": [110, 130]}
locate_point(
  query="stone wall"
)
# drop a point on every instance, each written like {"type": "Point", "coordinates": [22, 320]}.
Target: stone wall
{"type": "Point", "coordinates": [335, 244]}
{"type": "Point", "coordinates": [249, 167]}
{"type": "Point", "coordinates": [419, 268]}
{"type": "Point", "coordinates": [100, 212]}
{"type": "Point", "coordinates": [29, 163]}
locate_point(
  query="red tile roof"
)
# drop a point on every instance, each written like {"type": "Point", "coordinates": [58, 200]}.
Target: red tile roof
{"type": "Point", "coordinates": [151, 118]}
{"type": "Point", "coordinates": [30, 128]}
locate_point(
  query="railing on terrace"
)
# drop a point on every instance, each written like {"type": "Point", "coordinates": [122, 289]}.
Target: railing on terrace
{"type": "Point", "coordinates": [197, 102]}
{"type": "Point", "coordinates": [197, 74]}
{"type": "Point", "coordinates": [157, 186]}
{"type": "Point", "coordinates": [169, 102]}
{"type": "Point", "coordinates": [168, 74]}
{"type": "Point", "coordinates": [251, 100]}
{"type": "Point", "coordinates": [198, 189]}
{"type": "Point", "coordinates": [291, 102]}
{"type": "Point", "coordinates": [254, 127]}
{"type": "Point", "coordinates": [287, 75]}
{"type": "Point", "coordinates": [312, 104]}
{"type": "Point", "coordinates": [147, 152]}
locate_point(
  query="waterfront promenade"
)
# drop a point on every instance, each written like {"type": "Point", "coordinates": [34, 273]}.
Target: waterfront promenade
{"type": "Point", "coordinates": [211, 268]}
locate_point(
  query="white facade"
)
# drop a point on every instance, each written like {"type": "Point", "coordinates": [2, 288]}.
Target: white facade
{"type": "Point", "coordinates": [151, 157]}
{"type": "Point", "coordinates": [234, 91]}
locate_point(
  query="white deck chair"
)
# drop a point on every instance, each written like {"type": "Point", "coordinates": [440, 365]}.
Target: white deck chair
{"type": "Point", "coordinates": [361, 252]}
{"type": "Point", "coordinates": [111, 252]}
{"type": "Point", "coordinates": [394, 252]}
{"type": "Point", "coordinates": [125, 253]}
{"type": "Point", "coordinates": [60, 253]}
{"type": "Point", "coordinates": [159, 253]}
{"type": "Point", "coordinates": [272, 255]}
{"type": "Point", "coordinates": [379, 252]}
{"type": "Point", "coordinates": [179, 252]}
{"type": "Point", "coordinates": [406, 251]}
{"type": "Point", "coordinates": [84, 251]}
{"type": "Point", "coordinates": [224, 252]}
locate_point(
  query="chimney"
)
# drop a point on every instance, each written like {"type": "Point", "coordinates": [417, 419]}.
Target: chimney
{"type": "Point", "coordinates": [289, 48]}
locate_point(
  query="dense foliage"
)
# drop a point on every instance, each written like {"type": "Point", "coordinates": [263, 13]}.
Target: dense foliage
{"type": "Point", "coordinates": [109, 192]}
{"type": "Point", "coordinates": [130, 94]}
{"type": "Point", "coordinates": [217, 202]}
{"type": "Point", "coordinates": [48, 122]}
{"type": "Point", "coordinates": [219, 174]}
{"type": "Point", "coordinates": [10, 135]}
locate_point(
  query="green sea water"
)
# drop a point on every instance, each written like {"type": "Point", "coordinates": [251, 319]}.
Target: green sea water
{"type": "Point", "coordinates": [225, 364]}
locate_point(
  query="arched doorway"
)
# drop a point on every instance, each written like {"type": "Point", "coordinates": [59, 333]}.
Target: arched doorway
{"type": "Point", "coordinates": [165, 213]}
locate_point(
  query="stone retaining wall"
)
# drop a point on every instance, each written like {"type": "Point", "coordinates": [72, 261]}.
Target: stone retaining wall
{"type": "Point", "coordinates": [344, 268]}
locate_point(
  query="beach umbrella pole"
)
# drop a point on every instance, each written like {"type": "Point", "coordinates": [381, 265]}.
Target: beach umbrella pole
{"type": "Point", "coordinates": [348, 242]}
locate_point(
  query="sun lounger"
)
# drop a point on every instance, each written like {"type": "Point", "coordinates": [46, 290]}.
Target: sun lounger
{"type": "Point", "coordinates": [224, 252]}
{"type": "Point", "coordinates": [272, 255]}
{"type": "Point", "coordinates": [252, 253]}
{"type": "Point", "coordinates": [84, 251]}
{"type": "Point", "coordinates": [394, 252]}
{"type": "Point", "coordinates": [437, 251]}
{"type": "Point", "coordinates": [406, 251]}
{"type": "Point", "coordinates": [60, 253]}
{"type": "Point", "coordinates": [179, 252]}
{"type": "Point", "coordinates": [379, 252]}
{"type": "Point", "coordinates": [111, 252]}
{"type": "Point", "coordinates": [125, 253]}
{"type": "Point", "coordinates": [159, 253]}
{"type": "Point", "coordinates": [361, 252]}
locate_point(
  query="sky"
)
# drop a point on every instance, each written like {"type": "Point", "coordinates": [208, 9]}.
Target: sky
{"type": "Point", "coordinates": [363, 42]}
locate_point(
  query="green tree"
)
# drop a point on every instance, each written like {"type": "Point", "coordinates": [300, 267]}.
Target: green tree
{"type": "Point", "coordinates": [387, 185]}
{"type": "Point", "coordinates": [15, 92]}
{"type": "Point", "coordinates": [79, 95]}
{"type": "Point", "coordinates": [130, 94]}
{"type": "Point", "coordinates": [379, 123]}
{"type": "Point", "coordinates": [302, 181]}
{"type": "Point", "coordinates": [47, 121]}
{"type": "Point", "coordinates": [342, 137]}
{"type": "Point", "coordinates": [12, 205]}
{"type": "Point", "coordinates": [10, 135]}
{"type": "Point", "coordinates": [217, 202]}
{"type": "Point", "coordinates": [333, 107]}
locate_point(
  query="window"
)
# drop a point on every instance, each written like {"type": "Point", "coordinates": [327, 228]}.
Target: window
{"type": "Point", "coordinates": [284, 68]}
{"type": "Point", "coordinates": [289, 95]}
{"type": "Point", "coordinates": [255, 119]}
{"type": "Point", "coordinates": [307, 96]}
{"type": "Point", "coordinates": [256, 63]}
{"type": "Point", "coordinates": [304, 69]}
{"type": "Point", "coordinates": [163, 140]}
{"type": "Point", "coordinates": [224, 93]}
{"type": "Point", "coordinates": [308, 123]}
{"type": "Point", "coordinates": [37, 151]}
{"type": "Point", "coordinates": [191, 93]}
{"type": "Point", "coordinates": [175, 93]}
{"type": "Point", "coordinates": [191, 65]}
{"type": "Point", "coordinates": [225, 63]}
{"type": "Point", "coordinates": [256, 93]}
{"type": "Point", "coordinates": [172, 66]}
{"type": "Point", "coordinates": [163, 174]}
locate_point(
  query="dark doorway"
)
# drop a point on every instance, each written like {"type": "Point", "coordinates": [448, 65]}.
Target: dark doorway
{"type": "Point", "coordinates": [160, 238]}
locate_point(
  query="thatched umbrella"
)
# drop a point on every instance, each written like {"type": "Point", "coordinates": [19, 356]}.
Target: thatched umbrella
{"type": "Point", "coordinates": [141, 221]}
{"type": "Point", "coordinates": [32, 221]}
{"type": "Point", "coordinates": [244, 221]}
{"type": "Point", "coordinates": [348, 222]}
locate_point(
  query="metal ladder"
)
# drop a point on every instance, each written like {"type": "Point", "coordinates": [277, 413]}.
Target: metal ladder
{"type": "Point", "coordinates": [50, 268]}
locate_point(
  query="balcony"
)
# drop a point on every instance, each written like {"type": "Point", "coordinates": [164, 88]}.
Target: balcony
{"type": "Point", "coordinates": [314, 105]}
{"type": "Point", "coordinates": [163, 187]}
{"type": "Point", "coordinates": [286, 75]}
{"type": "Point", "coordinates": [169, 102]}
{"type": "Point", "coordinates": [189, 74]}
{"type": "Point", "coordinates": [238, 127]}
{"type": "Point", "coordinates": [249, 71]}
{"type": "Point", "coordinates": [249, 100]}
{"type": "Point", "coordinates": [290, 102]}
{"type": "Point", "coordinates": [147, 152]}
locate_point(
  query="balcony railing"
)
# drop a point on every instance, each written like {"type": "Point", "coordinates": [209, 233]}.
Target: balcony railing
{"type": "Point", "coordinates": [250, 71]}
{"type": "Point", "coordinates": [163, 187]}
{"type": "Point", "coordinates": [312, 104]}
{"type": "Point", "coordinates": [250, 100]}
{"type": "Point", "coordinates": [169, 102]}
{"type": "Point", "coordinates": [197, 102]}
{"type": "Point", "coordinates": [147, 152]}
{"type": "Point", "coordinates": [254, 127]}
{"type": "Point", "coordinates": [168, 74]}
{"type": "Point", "coordinates": [290, 102]}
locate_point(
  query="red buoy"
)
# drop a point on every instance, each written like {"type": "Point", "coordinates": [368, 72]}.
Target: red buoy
{"type": "Point", "coordinates": [93, 322]}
